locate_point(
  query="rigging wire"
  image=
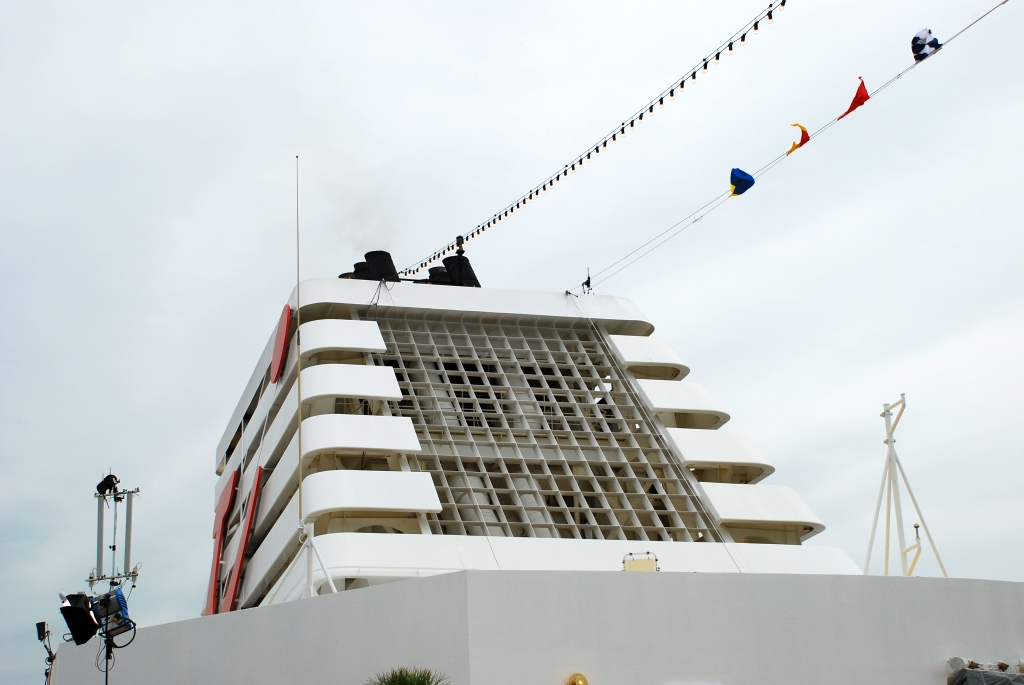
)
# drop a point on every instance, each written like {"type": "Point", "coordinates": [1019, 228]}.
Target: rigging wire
{"type": "Point", "coordinates": [714, 204]}
{"type": "Point", "coordinates": [629, 125]}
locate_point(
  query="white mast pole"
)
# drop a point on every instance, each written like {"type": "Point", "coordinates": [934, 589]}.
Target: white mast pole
{"type": "Point", "coordinates": [874, 522]}
{"type": "Point", "coordinates": [100, 502]}
{"type": "Point", "coordinates": [891, 475]}
{"type": "Point", "coordinates": [924, 525]}
{"type": "Point", "coordinates": [890, 465]}
{"type": "Point", "coordinates": [298, 324]}
{"type": "Point", "coordinates": [307, 528]}
{"type": "Point", "coordinates": [888, 514]}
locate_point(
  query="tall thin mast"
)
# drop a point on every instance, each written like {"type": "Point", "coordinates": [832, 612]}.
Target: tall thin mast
{"type": "Point", "coordinates": [298, 324]}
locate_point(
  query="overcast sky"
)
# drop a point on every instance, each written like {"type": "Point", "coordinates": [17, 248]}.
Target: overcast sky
{"type": "Point", "coordinates": [147, 213]}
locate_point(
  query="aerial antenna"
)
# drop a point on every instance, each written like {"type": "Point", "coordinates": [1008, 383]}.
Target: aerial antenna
{"type": "Point", "coordinates": [306, 535]}
{"type": "Point", "coordinates": [891, 474]}
{"type": "Point", "coordinates": [298, 324]}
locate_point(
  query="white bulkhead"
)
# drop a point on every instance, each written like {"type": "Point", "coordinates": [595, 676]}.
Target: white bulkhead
{"type": "Point", "coordinates": [462, 417]}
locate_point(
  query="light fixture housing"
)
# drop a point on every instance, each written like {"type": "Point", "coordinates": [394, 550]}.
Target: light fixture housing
{"type": "Point", "coordinates": [577, 679]}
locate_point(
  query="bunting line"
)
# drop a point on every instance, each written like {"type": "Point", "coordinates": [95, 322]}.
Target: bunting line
{"type": "Point", "coordinates": [696, 216]}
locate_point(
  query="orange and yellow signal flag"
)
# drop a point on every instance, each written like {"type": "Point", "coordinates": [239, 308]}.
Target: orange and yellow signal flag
{"type": "Point", "coordinates": [804, 139]}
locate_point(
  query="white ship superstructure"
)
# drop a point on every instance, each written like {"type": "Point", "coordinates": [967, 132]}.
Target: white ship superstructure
{"type": "Point", "coordinates": [507, 455]}
{"type": "Point", "coordinates": [447, 428]}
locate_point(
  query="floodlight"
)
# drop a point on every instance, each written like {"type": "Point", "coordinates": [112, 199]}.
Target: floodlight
{"type": "Point", "coordinates": [111, 613]}
{"type": "Point", "coordinates": [77, 614]}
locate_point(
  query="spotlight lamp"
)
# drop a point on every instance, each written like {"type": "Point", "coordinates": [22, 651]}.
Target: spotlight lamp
{"type": "Point", "coordinates": [577, 679]}
{"type": "Point", "coordinates": [43, 634]}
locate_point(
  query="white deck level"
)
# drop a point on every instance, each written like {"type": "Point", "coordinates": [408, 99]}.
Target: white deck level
{"type": "Point", "coordinates": [538, 627]}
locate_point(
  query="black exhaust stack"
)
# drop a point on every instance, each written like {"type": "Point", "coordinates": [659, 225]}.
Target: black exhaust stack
{"type": "Point", "coordinates": [459, 269]}
{"type": "Point", "coordinates": [380, 267]}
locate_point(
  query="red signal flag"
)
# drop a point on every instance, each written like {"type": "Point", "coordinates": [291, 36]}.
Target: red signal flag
{"type": "Point", "coordinates": [859, 99]}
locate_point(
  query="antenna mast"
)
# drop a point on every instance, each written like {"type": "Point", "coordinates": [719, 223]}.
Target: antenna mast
{"type": "Point", "coordinates": [106, 495]}
{"type": "Point", "coordinates": [890, 486]}
{"type": "Point", "coordinates": [306, 528]}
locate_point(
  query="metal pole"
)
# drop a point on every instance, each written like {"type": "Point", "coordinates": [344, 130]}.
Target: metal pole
{"type": "Point", "coordinates": [309, 559]}
{"type": "Point", "coordinates": [874, 522]}
{"type": "Point", "coordinates": [128, 534]}
{"type": "Point", "coordinates": [323, 566]}
{"type": "Point", "coordinates": [927, 534]}
{"type": "Point", "coordinates": [113, 539]}
{"type": "Point", "coordinates": [888, 510]}
{"type": "Point", "coordinates": [100, 501]}
{"type": "Point", "coordinates": [899, 511]}
{"type": "Point", "coordinates": [890, 457]}
{"type": "Point", "coordinates": [298, 334]}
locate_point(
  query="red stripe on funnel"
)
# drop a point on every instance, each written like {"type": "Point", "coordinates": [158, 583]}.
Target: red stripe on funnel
{"type": "Point", "coordinates": [280, 344]}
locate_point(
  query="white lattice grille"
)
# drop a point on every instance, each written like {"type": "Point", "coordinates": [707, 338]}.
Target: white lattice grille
{"type": "Point", "coordinates": [531, 431]}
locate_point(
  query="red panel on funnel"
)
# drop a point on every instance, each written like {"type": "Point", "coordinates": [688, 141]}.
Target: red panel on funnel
{"type": "Point", "coordinates": [220, 524]}
{"type": "Point", "coordinates": [280, 344]}
{"type": "Point", "coordinates": [230, 600]}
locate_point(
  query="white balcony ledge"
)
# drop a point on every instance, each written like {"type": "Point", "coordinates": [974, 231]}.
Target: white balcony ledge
{"type": "Point", "coordinates": [648, 357]}
{"type": "Point", "coordinates": [357, 433]}
{"type": "Point", "coordinates": [341, 335]}
{"type": "Point", "coordinates": [726, 451]}
{"type": "Point", "coordinates": [375, 491]}
{"type": "Point", "coordinates": [349, 380]}
{"type": "Point", "coordinates": [762, 506]}
{"type": "Point", "coordinates": [379, 558]}
{"type": "Point", "coordinates": [682, 404]}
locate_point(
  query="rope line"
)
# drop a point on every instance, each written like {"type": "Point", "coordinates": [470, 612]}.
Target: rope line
{"type": "Point", "coordinates": [757, 174]}
{"type": "Point", "coordinates": [619, 131]}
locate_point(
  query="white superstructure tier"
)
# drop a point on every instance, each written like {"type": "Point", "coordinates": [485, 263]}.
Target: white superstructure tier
{"type": "Point", "coordinates": [449, 428]}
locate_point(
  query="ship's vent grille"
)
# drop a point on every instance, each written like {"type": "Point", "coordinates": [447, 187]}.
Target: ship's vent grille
{"type": "Point", "coordinates": [529, 431]}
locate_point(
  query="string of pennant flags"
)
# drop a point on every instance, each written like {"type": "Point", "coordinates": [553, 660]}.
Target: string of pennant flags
{"type": "Point", "coordinates": [669, 94]}
{"type": "Point", "coordinates": [923, 45]}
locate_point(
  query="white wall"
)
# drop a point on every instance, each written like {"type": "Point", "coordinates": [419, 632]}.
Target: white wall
{"type": "Point", "coordinates": [511, 628]}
